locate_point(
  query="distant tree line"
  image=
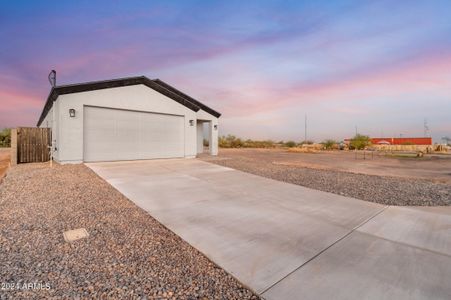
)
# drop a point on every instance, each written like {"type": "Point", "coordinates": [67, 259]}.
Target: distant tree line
{"type": "Point", "coordinates": [358, 142]}
{"type": "Point", "coordinates": [231, 141]}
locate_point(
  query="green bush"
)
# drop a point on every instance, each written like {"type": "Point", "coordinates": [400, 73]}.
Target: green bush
{"type": "Point", "coordinates": [329, 144]}
{"type": "Point", "coordinates": [5, 137]}
{"type": "Point", "coordinates": [360, 142]}
{"type": "Point", "coordinates": [290, 144]}
{"type": "Point", "coordinates": [306, 142]}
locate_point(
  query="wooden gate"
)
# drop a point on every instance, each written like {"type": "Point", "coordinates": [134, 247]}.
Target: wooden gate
{"type": "Point", "coordinates": [33, 144]}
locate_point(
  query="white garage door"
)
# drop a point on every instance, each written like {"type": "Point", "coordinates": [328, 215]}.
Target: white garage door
{"type": "Point", "coordinates": [115, 134]}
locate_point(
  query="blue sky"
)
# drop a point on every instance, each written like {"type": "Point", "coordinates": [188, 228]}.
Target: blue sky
{"type": "Point", "coordinates": [382, 66]}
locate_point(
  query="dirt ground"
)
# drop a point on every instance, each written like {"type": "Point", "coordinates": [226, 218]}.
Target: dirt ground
{"type": "Point", "coordinates": [385, 180]}
{"type": "Point", "coordinates": [4, 160]}
{"type": "Point", "coordinates": [435, 168]}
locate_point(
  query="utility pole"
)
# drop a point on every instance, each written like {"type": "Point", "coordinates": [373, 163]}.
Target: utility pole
{"type": "Point", "coordinates": [426, 127]}
{"type": "Point", "coordinates": [305, 128]}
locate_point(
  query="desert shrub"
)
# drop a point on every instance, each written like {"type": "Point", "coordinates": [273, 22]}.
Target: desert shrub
{"type": "Point", "coordinates": [407, 143]}
{"type": "Point", "coordinates": [259, 144]}
{"type": "Point", "coordinates": [290, 144]}
{"type": "Point", "coordinates": [5, 137]}
{"type": "Point", "coordinates": [222, 142]}
{"type": "Point", "coordinates": [360, 141]}
{"type": "Point", "coordinates": [329, 144]}
{"type": "Point", "coordinates": [306, 142]}
{"type": "Point", "coordinates": [232, 141]}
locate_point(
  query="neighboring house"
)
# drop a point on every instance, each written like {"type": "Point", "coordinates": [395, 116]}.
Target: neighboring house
{"type": "Point", "coordinates": [127, 119]}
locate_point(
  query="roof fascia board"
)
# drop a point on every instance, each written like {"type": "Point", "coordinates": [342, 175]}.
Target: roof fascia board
{"type": "Point", "coordinates": [122, 82]}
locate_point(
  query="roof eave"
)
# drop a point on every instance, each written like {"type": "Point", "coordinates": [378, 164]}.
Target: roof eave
{"type": "Point", "coordinates": [159, 86]}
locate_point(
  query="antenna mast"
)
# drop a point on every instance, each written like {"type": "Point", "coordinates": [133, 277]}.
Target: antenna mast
{"type": "Point", "coordinates": [52, 78]}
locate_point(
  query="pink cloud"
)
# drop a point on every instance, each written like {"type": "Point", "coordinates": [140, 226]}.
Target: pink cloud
{"type": "Point", "coordinates": [429, 73]}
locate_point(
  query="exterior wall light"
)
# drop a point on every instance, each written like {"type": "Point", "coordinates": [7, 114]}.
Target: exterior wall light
{"type": "Point", "coordinates": [191, 122]}
{"type": "Point", "coordinates": [72, 113]}
{"type": "Point", "coordinates": [215, 127]}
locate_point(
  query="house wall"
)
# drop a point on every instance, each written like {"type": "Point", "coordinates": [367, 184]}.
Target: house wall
{"type": "Point", "coordinates": [139, 97]}
{"type": "Point", "coordinates": [48, 123]}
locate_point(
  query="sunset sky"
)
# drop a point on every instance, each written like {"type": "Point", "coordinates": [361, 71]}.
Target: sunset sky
{"type": "Point", "coordinates": [383, 66]}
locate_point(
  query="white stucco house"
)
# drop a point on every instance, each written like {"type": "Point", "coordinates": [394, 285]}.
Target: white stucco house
{"type": "Point", "coordinates": [127, 119]}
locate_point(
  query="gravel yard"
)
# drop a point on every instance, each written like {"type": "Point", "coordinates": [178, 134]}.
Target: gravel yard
{"type": "Point", "coordinates": [381, 189]}
{"type": "Point", "coordinates": [4, 161]}
{"type": "Point", "coordinates": [127, 255]}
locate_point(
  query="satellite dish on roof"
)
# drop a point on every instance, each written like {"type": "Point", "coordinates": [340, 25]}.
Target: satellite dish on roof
{"type": "Point", "coordinates": [52, 78]}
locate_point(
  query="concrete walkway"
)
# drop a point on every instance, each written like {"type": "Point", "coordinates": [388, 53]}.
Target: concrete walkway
{"type": "Point", "coordinates": [289, 242]}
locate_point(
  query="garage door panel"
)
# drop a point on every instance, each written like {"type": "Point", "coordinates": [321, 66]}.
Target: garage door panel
{"type": "Point", "coordinates": [112, 134]}
{"type": "Point", "coordinates": [167, 138]}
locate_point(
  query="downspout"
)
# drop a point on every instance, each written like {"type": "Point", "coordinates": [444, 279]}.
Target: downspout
{"type": "Point", "coordinates": [51, 133]}
{"type": "Point", "coordinates": [52, 80]}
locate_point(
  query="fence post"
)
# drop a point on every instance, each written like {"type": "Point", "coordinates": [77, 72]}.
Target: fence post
{"type": "Point", "coordinates": [13, 146]}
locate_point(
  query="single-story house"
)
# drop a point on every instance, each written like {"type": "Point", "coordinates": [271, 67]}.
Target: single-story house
{"type": "Point", "coordinates": [127, 119]}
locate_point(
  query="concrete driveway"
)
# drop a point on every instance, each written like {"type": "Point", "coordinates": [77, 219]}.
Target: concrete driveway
{"type": "Point", "coordinates": [288, 242]}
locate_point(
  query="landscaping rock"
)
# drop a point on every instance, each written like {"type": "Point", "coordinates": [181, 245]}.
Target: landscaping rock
{"type": "Point", "coordinates": [381, 189]}
{"type": "Point", "coordinates": [128, 254]}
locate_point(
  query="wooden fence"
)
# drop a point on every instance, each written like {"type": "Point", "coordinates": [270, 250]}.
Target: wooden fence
{"type": "Point", "coordinates": [33, 144]}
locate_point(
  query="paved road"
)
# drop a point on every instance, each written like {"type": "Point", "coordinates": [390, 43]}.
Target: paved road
{"type": "Point", "coordinates": [286, 241]}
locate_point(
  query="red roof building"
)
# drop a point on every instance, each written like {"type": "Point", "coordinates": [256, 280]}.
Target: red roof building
{"type": "Point", "coordinates": [402, 141]}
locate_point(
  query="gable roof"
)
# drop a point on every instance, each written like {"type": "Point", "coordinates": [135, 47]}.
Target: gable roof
{"type": "Point", "coordinates": [157, 85]}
